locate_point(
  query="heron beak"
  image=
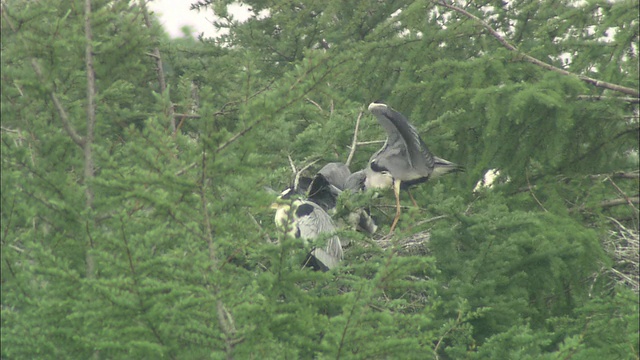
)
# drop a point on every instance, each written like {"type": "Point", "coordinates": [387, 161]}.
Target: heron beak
{"type": "Point", "coordinates": [376, 106]}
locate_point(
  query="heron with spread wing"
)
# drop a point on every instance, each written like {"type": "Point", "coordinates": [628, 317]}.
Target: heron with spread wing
{"type": "Point", "coordinates": [403, 161]}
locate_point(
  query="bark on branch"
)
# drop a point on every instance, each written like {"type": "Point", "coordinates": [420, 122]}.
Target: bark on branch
{"type": "Point", "coordinates": [354, 143]}
{"type": "Point", "coordinates": [91, 105]}
{"type": "Point", "coordinates": [531, 59]}
{"type": "Point", "coordinates": [159, 67]}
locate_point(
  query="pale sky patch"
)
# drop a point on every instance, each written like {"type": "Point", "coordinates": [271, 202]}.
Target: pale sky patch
{"type": "Point", "coordinates": [175, 14]}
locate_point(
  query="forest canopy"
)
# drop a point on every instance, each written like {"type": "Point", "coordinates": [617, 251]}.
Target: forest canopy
{"type": "Point", "coordinates": [136, 219]}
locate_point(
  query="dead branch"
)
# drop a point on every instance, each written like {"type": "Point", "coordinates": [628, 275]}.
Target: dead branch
{"type": "Point", "coordinates": [191, 166]}
{"type": "Point", "coordinates": [159, 68]}
{"type": "Point", "coordinates": [621, 201]}
{"type": "Point", "coordinates": [296, 181]}
{"type": "Point", "coordinates": [9, 130]}
{"type": "Point", "coordinates": [354, 143]}
{"type": "Point", "coordinates": [530, 59]}
{"type": "Point", "coordinates": [611, 203]}
{"type": "Point", "coordinates": [532, 193]}
{"type": "Point", "coordinates": [622, 193]}
{"type": "Point", "coordinates": [372, 142]}
{"type": "Point", "coordinates": [603, 97]}
{"type": "Point", "coordinates": [91, 105]}
{"type": "Point", "coordinates": [622, 244]}
{"type": "Point", "coordinates": [315, 103]}
{"type": "Point", "coordinates": [188, 116]}
{"type": "Point", "coordinates": [633, 175]}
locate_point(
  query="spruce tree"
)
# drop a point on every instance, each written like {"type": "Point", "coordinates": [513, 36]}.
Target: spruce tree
{"type": "Point", "coordinates": [162, 243]}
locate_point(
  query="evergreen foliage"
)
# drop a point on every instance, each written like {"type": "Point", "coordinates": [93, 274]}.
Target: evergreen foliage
{"type": "Point", "coordinates": [162, 244]}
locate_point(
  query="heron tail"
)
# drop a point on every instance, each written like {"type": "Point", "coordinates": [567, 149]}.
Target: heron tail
{"type": "Point", "coordinates": [442, 167]}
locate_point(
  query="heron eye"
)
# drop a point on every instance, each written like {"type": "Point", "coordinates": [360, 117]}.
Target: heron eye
{"type": "Point", "coordinates": [304, 210]}
{"type": "Point", "coordinates": [377, 168]}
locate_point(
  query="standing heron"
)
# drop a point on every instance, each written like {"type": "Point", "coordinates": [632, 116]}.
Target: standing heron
{"type": "Point", "coordinates": [308, 221]}
{"type": "Point", "coordinates": [403, 160]}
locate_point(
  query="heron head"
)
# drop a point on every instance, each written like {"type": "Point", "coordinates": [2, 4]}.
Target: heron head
{"type": "Point", "coordinates": [378, 177]}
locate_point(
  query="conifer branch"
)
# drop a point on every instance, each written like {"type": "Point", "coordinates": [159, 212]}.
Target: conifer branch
{"type": "Point", "coordinates": [66, 123]}
{"type": "Point", "coordinates": [281, 108]}
{"type": "Point", "coordinates": [225, 319]}
{"type": "Point", "coordinates": [449, 330]}
{"type": "Point", "coordinates": [354, 143]}
{"type": "Point", "coordinates": [531, 59]}
{"type": "Point", "coordinates": [159, 67]}
{"type": "Point", "coordinates": [346, 326]}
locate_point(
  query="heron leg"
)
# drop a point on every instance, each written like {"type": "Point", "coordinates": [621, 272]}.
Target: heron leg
{"type": "Point", "coordinates": [396, 192]}
{"type": "Point", "coordinates": [412, 199]}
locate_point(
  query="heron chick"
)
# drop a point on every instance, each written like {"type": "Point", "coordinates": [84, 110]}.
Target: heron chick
{"type": "Point", "coordinates": [308, 221]}
{"type": "Point", "coordinates": [403, 160]}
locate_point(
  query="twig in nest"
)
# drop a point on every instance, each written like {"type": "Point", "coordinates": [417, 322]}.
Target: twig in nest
{"type": "Point", "coordinates": [296, 181]}
{"type": "Point", "coordinates": [354, 143]}
{"type": "Point", "coordinates": [629, 201]}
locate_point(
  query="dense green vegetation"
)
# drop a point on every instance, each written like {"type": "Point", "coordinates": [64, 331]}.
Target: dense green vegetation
{"type": "Point", "coordinates": [135, 223]}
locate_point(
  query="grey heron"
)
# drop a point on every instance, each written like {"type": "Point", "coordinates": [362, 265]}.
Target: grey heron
{"type": "Point", "coordinates": [403, 160]}
{"type": "Point", "coordinates": [328, 184]}
{"type": "Point", "coordinates": [307, 221]}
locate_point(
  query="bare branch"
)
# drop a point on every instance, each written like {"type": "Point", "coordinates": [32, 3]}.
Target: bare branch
{"type": "Point", "coordinates": [621, 201]}
{"type": "Point", "coordinates": [528, 58]}
{"type": "Point", "coordinates": [354, 143]}
{"type": "Point", "coordinates": [66, 123]}
{"type": "Point", "coordinates": [611, 203]}
{"type": "Point", "coordinates": [372, 142]}
{"type": "Point", "coordinates": [532, 193]}
{"type": "Point", "coordinates": [9, 130]}
{"type": "Point", "coordinates": [91, 105]}
{"type": "Point", "coordinates": [189, 116]}
{"type": "Point", "coordinates": [603, 97]}
{"type": "Point", "coordinates": [293, 166]}
{"type": "Point", "coordinates": [159, 67]}
{"type": "Point", "coordinates": [634, 175]}
{"type": "Point", "coordinates": [315, 103]}
{"type": "Point", "coordinates": [623, 194]}
{"type": "Point", "coordinates": [191, 166]}
{"type": "Point", "coordinates": [296, 181]}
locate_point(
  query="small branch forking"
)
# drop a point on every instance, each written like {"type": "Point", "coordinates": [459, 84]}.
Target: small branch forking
{"type": "Point", "coordinates": [354, 143]}
{"type": "Point", "coordinates": [531, 59]}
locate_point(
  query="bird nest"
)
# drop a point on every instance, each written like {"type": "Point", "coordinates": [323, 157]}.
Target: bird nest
{"type": "Point", "coordinates": [416, 244]}
{"type": "Point", "coordinates": [622, 244]}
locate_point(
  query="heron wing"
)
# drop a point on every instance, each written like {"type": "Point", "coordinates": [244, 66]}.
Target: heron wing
{"type": "Point", "coordinates": [355, 181]}
{"type": "Point", "coordinates": [312, 221]}
{"type": "Point", "coordinates": [396, 123]}
{"type": "Point", "coordinates": [336, 173]}
{"type": "Point", "coordinates": [323, 193]}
